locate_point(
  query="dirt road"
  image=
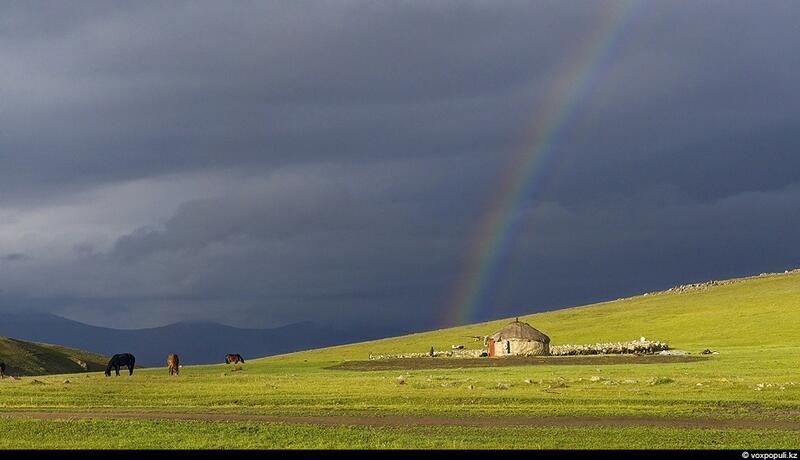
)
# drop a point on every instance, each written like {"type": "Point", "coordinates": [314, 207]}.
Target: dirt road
{"type": "Point", "coordinates": [455, 363]}
{"type": "Point", "coordinates": [409, 420]}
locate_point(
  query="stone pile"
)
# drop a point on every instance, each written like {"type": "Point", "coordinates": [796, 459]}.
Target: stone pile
{"type": "Point", "coordinates": [436, 354]}
{"type": "Point", "coordinates": [632, 347]}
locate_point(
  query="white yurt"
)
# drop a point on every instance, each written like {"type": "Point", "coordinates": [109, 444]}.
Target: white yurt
{"type": "Point", "coordinates": [519, 338]}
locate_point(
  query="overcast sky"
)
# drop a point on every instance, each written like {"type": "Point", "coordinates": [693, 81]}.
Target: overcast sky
{"type": "Point", "coordinates": [261, 163]}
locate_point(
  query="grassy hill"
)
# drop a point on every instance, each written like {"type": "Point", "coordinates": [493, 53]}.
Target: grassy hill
{"type": "Point", "coordinates": [32, 358]}
{"type": "Point", "coordinates": [746, 398]}
{"type": "Point", "coordinates": [758, 311]}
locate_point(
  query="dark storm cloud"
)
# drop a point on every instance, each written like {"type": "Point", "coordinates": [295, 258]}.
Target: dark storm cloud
{"type": "Point", "coordinates": [14, 257]}
{"type": "Point", "coordinates": [290, 160]}
{"type": "Point", "coordinates": [264, 84]}
{"type": "Point", "coordinates": [650, 241]}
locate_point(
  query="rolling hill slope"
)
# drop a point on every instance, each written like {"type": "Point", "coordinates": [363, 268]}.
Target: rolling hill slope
{"type": "Point", "coordinates": [32, 358]}
{"type": "Point", "coordinates": [760, 311]}
{"type": "Point", "coordinates": [746, 397]}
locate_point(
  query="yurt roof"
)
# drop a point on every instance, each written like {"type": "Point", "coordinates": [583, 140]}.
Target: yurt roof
{"type": "Point", "coordinates": [520, 330]}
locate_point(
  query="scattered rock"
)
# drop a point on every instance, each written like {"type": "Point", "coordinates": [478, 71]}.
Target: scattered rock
{"type": "Point", "coordinates": [629, 381]}
{"type": "Point", "coordinates": [401, 380]}
{"type": "Point", "coordinates": [595, 378]}
{"type": "Point", "coordinates": [528, 381]}
{"type": "Point", "coordinates": [458, 353]}
{"type": "Point", "coordinates": [709, 352]}
{"type": "Point", "coordinates": [709, 284]}
{"type": "Point", "coordinates": [457, 347]}
{"type": "Point", "coordinates": [80, 363]}
{"type": "Point", "coordinates": [65, 382]}
{"type": "Point", "coordinates": [471, 387]}
{"type": "Point", "coordinates": [503, 386]}
{"type": "Point", "coordinates": [37, 382]}
{"type": "Point", "coordinates": [659, 381]}
{"type": "Point", "coordinates": [674, 352]}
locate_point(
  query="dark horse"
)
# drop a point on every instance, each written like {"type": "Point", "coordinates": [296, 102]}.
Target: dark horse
{"type": "Point", "coordinates": [173, 364]}
{"type": "Point", "coordinates": [233, 358]}
{"type": "Point", "coordinates": [117, 361]}
{"type": "Point", "coordinates": [2, 370]}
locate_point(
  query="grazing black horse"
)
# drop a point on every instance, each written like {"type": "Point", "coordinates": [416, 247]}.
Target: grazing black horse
{"type": "Point", "coordinates": [117, 361]}
{"type": "Point", "coordinates": [233, 358]}
{"type": "Point", "coordinates": [2, 370]}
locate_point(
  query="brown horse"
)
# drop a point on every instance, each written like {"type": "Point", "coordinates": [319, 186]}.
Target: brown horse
{"type": "Point", "coordinates": [173, 364]}
{"type": "Point", "coordinates": [233, 358]}
{"type": "Point", "coordinates": [2, 370]}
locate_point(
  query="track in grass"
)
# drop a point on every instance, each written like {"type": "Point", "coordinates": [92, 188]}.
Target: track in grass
{"type": "Point", "coordinates": [408, 420]}
{"type": "Point", "coordinates": [455, 363]}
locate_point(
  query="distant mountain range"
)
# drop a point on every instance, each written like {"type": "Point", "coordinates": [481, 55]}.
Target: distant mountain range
{"type": "Point", "coordinates": [195, 343]}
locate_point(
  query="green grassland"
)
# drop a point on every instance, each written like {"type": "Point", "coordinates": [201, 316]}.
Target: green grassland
{"type": "Point", "coordinates": [756, 377]}
{"type": "Point", "coordinates": [32, 358]}
{"type": "Point", "coordinates": [92, 434]}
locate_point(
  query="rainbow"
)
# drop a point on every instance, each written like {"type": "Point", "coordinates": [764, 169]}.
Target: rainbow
{"type": "Point", "coordinates": [524, 175]}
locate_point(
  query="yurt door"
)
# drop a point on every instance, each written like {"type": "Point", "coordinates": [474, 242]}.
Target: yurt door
{"type": "Point", "coordinates": [491, 346]}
